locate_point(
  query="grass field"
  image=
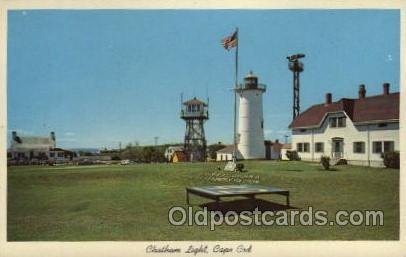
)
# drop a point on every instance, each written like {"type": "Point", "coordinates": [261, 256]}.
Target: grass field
{"type": "Point", "coordinates": [79, 203]}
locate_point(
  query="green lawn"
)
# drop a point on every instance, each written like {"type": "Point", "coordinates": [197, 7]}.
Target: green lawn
{"type": "Point", "coordinates": [78, 203]}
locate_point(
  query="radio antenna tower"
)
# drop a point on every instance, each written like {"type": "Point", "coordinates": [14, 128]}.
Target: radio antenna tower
{"type": "Point", "coordinates": [296, 67]}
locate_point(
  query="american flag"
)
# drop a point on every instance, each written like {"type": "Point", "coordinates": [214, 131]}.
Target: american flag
{"type": "Point", "coordinates": [230, 41]}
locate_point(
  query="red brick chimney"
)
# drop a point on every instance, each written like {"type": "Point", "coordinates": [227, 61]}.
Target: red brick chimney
{"type": "Point", "coordinates": [386, 88]}
{"type": "Point", "coordinates": [361, 92]}
{"type": "Point", "coordinates": [328, 99]}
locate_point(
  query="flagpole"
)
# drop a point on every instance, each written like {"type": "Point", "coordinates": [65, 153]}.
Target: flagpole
{"type": "Point", "coordinates": [235, 99]}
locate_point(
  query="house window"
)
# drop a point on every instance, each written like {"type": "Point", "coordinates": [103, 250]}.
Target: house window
{"type": "Point", "coordinates": [306, 147]}
{"type": "Point", "coordinates": [337, 122]}
{"type": "Point", "coordinates": [377, 147]}
{"type": "Point", "coordinates": [60, 154]}
{"type": "Point", "coordinates": [319, 147]}
{"type": "Point", "coordinates": [333, 122]}
{"type": "Point", "coordinates": [388, 146]}
{"type": "Point", "coordinates": [382, 125]}
{"type": "Point", "coordinates": [303, 130]}
{"type": "Point", "coordinates": [303, 147]}
{"type": "Point", "coordinates": [341, 122]}
{"type": "Point", "coordinates": [51, 154]}
{"type": "Point", "coordinates": [385, 146]}
{"type": "Point", "coordinates": [359, 147]}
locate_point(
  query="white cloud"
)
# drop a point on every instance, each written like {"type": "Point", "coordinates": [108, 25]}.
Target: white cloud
{"type": "Point", "coordinates": [389, 58]}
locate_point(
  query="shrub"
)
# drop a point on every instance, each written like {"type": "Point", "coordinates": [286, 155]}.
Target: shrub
{"type": "Point", "coordinates": [292, 156]}
{"type": "Point", "coordinates": [342, 162]}
{"type": "Point", "coordinates": [325, 162]}
{"type": "Point", "coordinates": [391, 159]}
{"type": "Point", "coordinates": [239, 167]}
{"type": "Point", "coordinates": [116, 158]}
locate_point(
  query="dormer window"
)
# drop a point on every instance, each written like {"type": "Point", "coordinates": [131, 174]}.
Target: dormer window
{"type": "Point", "coordinates": [337, 122]}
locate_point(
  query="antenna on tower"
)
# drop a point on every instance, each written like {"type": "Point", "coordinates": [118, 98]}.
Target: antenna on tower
{"type": "Point", "coordinates": [207, 94]}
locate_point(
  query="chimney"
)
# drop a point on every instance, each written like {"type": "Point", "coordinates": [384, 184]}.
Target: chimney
{"type": "Point", "coordinates": [14, 135]}
{"type": "Point", "coordinates": [386, 88]}
{"type": "Point", "coordinates": [52, 136]}
{"type": "Point", "coordinates": [276, 141]}
{"type": "Point", "coordinates": [361, 91]}
{"type": "Point", "coordinates": [328, 99]}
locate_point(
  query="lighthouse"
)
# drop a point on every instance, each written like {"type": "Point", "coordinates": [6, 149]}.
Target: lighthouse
{"type": "Point", "coordinates": [250, 138]}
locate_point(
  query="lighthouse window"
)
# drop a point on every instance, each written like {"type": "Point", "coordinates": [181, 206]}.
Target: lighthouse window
{"type": "Point", "coordinates": [198, 108]}
{"type": "Point", "coordinates": [189, 108]}
{"type": "Point", "coordinates": [262, 124]}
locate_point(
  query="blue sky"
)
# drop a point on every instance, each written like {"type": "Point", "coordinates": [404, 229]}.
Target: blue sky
{"type": "Point", "coordinates": [100, 77]}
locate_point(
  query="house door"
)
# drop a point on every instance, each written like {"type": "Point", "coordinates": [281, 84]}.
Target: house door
{"type": "Point", "coordinates": [337, 148]}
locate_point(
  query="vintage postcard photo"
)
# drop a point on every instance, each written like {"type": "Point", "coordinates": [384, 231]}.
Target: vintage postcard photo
{"type": "Point", "coordinates": [206, 125]}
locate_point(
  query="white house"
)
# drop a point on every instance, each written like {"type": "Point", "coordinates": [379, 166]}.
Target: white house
{"type": "Point", "coordinates": [225, 154]}
{"type": "Point", "coordinates": [272, 151]}
{"type": "Point", "coordinates": [357, 130]}
{"type": "Point", "coordinates": [36, 148]}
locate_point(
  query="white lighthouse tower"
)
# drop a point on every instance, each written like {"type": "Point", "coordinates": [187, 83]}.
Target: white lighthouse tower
{"type": "Point", "coordinates": [250, 136]}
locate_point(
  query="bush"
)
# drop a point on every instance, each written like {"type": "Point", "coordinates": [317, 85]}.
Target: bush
{"type": "Point", "coordinates": [342, 162]}
{"type": "Point", "coordinates": [239, 167]}
{"type": "Point", "coordinates": [116, 158]}
{"type": "Point", "coordinates": [292, 156]}
{"type": "Point", "coordinates": [391, 159]}
{"type": "Point", "coordinates": [325, 162]}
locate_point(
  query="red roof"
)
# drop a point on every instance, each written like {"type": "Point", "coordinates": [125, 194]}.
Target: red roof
{"type": "Point", "coordinates": [368, 109]}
